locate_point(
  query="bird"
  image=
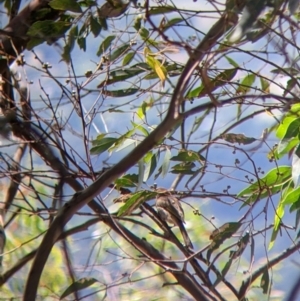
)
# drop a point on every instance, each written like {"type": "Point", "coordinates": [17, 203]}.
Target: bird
{"type": "Point", "coordinates": [170, 210]}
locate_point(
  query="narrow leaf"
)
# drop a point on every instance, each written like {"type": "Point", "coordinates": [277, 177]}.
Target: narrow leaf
{"type": "Point", "coordinates": [166, 163]}
{"type": "Point", "coordinates": [105, 45]}
{"type": "Point", "coordinates": [77, 286]}
{"type": "Point", "coordinates": [128, 58]}
{"type": "Point", "coordinates": [101, 145]}
{"type": "Point", "coordinates": [120, 93]}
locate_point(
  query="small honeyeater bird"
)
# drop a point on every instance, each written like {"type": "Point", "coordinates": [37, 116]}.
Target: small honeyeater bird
{"type": "Point", "coordinates": [170, 210]}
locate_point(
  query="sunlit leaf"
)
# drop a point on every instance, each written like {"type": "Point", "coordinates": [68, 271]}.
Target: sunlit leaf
{"type": "Point", "coordinates": [157, 66]}
{"type": "Point", "coordinates": [246, 83]}
{"type": "Point", "coordinates": [283, 126]}
{"type": "Point", "coordinates": [277, 222]}
{"type": "Point", "coordinates": [292, 197]}
{"type": "Point", "coordinates": [276, 177]}
{"type": "Point", "coordinates": [285, 146]}
{"type": "Point", "coordinates": [292, 129]}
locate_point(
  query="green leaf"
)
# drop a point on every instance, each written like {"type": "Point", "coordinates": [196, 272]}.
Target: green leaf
{"type": "Point", "coordinates": [278, 216]}
{"type": "Point", "coordinates": [135, 201]}
{"type": "Point", "coordinates": [100, 145]}
{"type": "Point", "coordinates": [232, 62]}
{"type": "Point", "coordinates": [184, 168]}
{"type": "Point", "coordinates": [170, 23]}
{"type": "Point", "coordinates": [265, 85]}
{"type": "Point", "coordinates": [219, 235]}
{"type": "Point", "coordinates": [265, 281]}
{"type": "Point", "coordinates": [129, 180]}
{"type": "Point", "coordinates": [70, 5]}
{"type": "Point", "coordinates": [95, 26]}
{"type": "Point", "coordinates": [292, 197]}
{"type": "Point", "coordinates": [48, 29]}
{"type": "Point", "coordinates": [119, 51]}
{"type": "Point", "coordinates": [286, 71]}
{"type": "Point", "coordinates": [120, 93]}
{"type": "Point", "coordinates": [137, 23]}
{"type": "Point", "coordinates": [77, 286]}
{"type": "Point", "coordinates": [198, 121]}
{"type": "Point", "coordinates": [151, 163]}
{"type": "Point", "coordinates": [220, 80]}
{"type": "Point", "coordinates": [73, 33]}
{"type": "Point", "coordinates": [245, 85]}
{"type": "Point", "coordinates": [242, 244]}
{"type": "Point", "coordinates": [162, 10]}
{"type": "Point", "coordinates": [128, 58]}
{"type": "Point", "coordinates": [102, 21]}
{"type": "Point", "coordinates": [33, 42]}
{"type": "Point", "coordinates": [157, 67]}
{"type": "Point", "coordinates": [293, 129]}
{"type": "Point", "coordinates": [144, 33]}
{"type": "Point", "coordinates": [285, 146]}
{"type": "Point", "coordinates": [124, 140]}
{"type": "Point", "coordinates": [187, 156]}
{"type": "Point", "coordinates": [274, 178]}
{"type": "Point", "coordinates": [105, 45]}
{"type": "Point", "coordinates": [82, 43]}
{"type": "Point", "coordinates": [141, 111]}
{"type": "Point", "coordinates": [140, 128]}
{"type": "Point", "coordinates": [122, 75]}
{"type": "Point", "coordinates": [282, 128]}
{"type": "Point", "coordinates": [277, 222]}
{"type": "Point", "coordinates": [273, 238]}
